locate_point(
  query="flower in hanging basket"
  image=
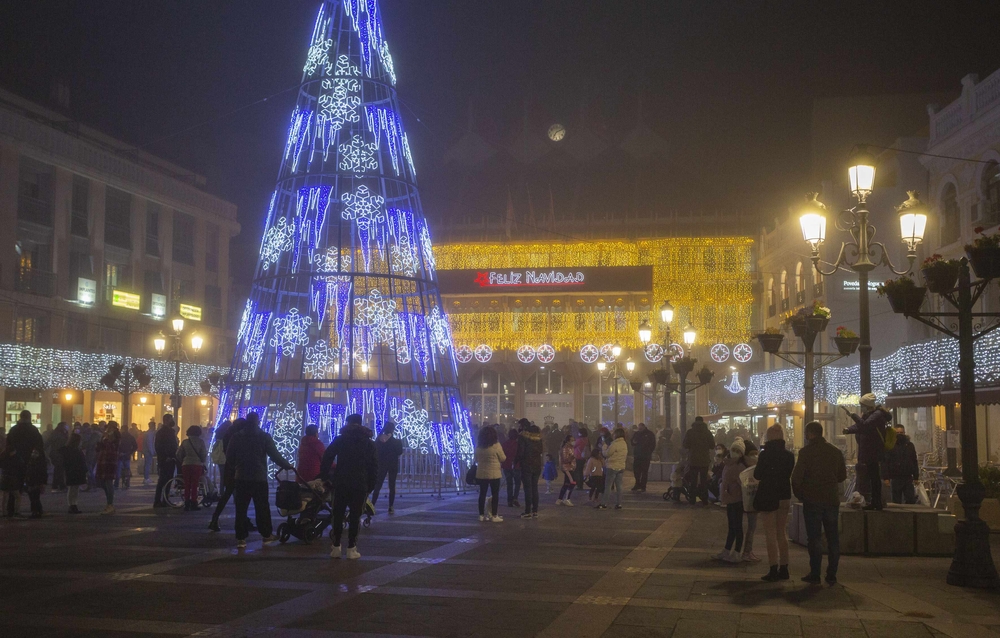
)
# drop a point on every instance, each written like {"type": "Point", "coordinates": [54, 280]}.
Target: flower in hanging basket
{"type": "Point", "coordinates": [819, 310]}
{"type": "Point", "coordinates": [846, 333]}
{"type": "Point", "coordinates": [940, 274]}
{"type": "Point", "coordinates": [892, 286]}
{"type": "Point", "coordinates": [984, 241]}
{"type": "Point", "coordinates": [772, 331]}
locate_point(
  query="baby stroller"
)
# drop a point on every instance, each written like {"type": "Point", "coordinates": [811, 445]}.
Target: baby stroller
{"type": "Point", "coordinates": [681, 485]}
{"type": "Point", "coordinates": [306, 506]}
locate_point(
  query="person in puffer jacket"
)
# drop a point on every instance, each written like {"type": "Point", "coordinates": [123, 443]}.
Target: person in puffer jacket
{"type": "Point", "coordinates": [529, 457]}
{"type": "Point", "coordinates": [731, 495]}
{"type": "Point", "coordinates": [353, 478]}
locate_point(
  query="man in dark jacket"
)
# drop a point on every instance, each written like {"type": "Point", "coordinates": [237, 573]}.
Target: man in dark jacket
{"type": "Point", "coordinates": [643, 446]}
{"type": "Point", "coordinates": [902, 469]}
{"type": "Point", "coordinates": [166, 457]}
{"type": "Point", "coordinates": [870, 428]}
{"type": "Point", "coordinates": [529, 456]}
{"type": "Point", "coordinates": [57, 441]}
{"type": "Point", "coordinates": [388, 449]}
{"type": "Point", "coordinates": [248, 451]}
{"type": "Point", "coordinates": [818, 472]}
{"type": "Point", "coordinates": [353, 478]}
{"type": "Point", "coordinates": [25, 465]}
{"type": "Point", "coordinates": [699, 442]}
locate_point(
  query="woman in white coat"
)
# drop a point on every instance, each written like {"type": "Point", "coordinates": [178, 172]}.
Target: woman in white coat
{"type": "Point", "coordinates": [489, 456]}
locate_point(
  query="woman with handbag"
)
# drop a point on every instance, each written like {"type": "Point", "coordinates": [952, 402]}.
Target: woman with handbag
{"type": "Point", "coordinates": [774, 493]}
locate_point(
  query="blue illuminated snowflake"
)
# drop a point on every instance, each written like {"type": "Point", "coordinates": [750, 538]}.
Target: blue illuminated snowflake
{"type": "Point", "coordinates": [439, 330]}
{"type": "Point", "coordinates": [286, 430]}
{"type": "Point", "coordinates": [377, 314]}
{"type": "Point", "coordinates": [403, 258]}
{"type": "Point", "coordinates": [319, 360]}
{"type": "Point", "coordinates": [340, 105]}
{"type": "Point", "coordinates": [363, 207]}
{"type": "Point", "coordinates": [358, 156]}
{"type": "Point", "coordinates": [290, 331]}
{"type": "Point", "coordinates": [277, 239]}
{"type": "Point", "coordinates": [413, 425]}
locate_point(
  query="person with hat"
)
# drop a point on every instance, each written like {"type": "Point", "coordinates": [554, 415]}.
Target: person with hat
{"type": "Point", "coordinates": [870, 429]}
{"type": "Point", "coordinates": [731, 495]}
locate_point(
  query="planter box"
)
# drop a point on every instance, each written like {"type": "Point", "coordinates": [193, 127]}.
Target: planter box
{"type": "Point", "coordinates": [985, 261]}
{"type": "Point", "coordinates": [769, 342]}
{"type": "Point", "coordinates": [907, 302]}
{"type": "Point", "coordinates": [847, 345]}
{"type": "Point", "coordinates": [989, 511]}
{"type": "Point", "coordinates": [942, 278]}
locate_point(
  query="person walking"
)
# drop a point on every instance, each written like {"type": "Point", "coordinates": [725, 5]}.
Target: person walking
{"type": "Point", "coordinates": [148, 451]}
{"type": "Point", "coordinates": [192, 456]}
{"type": "Point", "coordinates": [529, 457]}
{"type": "Point", "coordinates": [24, 467]}
{"type": "Point", "coordinates": [593, 474]}
{"type": "Point", "coordinates": [311, 451]}
{"type": "Point", "coordinates": [75, 465]}
{"type": "Point", "coordinates": [818, 473]}
{"type": "Point", "coordinates": [614, 468]}
{"type": "Point", "coordinates": [902, 470]}
{"type": "Point", "coordinates": [698, 441]}
{"type": "Point", "coordinates": [126, 448]}
{"type": "Point", "coordinates": [870, 428]}
{"type": "Point", "coordinates": [511, 469]}
{"type": "Point", "coordinates": [354, 464]}
{"type": "Point", "coordinates": [774, 493]}
{"type": "Point", "coordinates": [567, 466]}
{"type": "Point", "coordinates": [731, 495]}
{"type": "Point", "coordinates": [56, 443]}
{"type": "Point", "coordinates": [581, 452]}
{"type": "Point", "coordinates": [227, 472]}
{"type": "Point", "coordinates": [90, 437]}
{"type": "Point", "coordinates": [248, 451]}
{"type": "Point", "coordinates": [489, 457]}
{"type": "Point", "coordinates": [107, 464]}
{"type": "Point", "coordinates": [388, 450]}
{"type": "Point", "coordinates": [166, 446]}
{"type": "Point", "coordinates": [643, 446]}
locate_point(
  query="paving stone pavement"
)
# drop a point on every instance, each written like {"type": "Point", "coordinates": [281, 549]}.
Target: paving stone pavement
{"type": "Point", "coordinates": [433, 569]}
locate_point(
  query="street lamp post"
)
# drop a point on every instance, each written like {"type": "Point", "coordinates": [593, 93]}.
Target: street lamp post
{"type": "Point", "coordinates": [663, 378]}
{"type": "Point", "coordinates": [614, 373]}
{"type": "Point", "coordinates": [174, 351]}
{"type": "Point", "coordinates": [912, 218]}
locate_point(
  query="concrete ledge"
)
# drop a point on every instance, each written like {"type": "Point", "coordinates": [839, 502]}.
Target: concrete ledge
{"type": "Point", "coordinates": [905, 530]}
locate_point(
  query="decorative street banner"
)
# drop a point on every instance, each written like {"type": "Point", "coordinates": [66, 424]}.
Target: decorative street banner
{"type": "Point", "coordinates": [586, 279]}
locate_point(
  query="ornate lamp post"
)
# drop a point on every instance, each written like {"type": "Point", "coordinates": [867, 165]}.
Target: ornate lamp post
{"type": "Point", "coordinates": [174, 351]}
{"type": "Point", "coordinates": [661, 376]}
{"type": "Point", "coordinates": [912, 219]}
{"type": "Point", "coordinates": [614, 373]}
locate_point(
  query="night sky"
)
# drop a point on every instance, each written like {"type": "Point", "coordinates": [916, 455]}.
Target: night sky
{"type": "Point", "coordinates": [728, 85]}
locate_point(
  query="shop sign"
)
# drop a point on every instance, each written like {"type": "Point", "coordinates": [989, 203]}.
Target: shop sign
{"type": "Point", "coordinates": [124, 299]}
{"type": "Point", "coordinates": [190, 312]}
{"type": "Point", "coordinates": [86, 291]}
{"type": "Point", "coordinates": [855, 285]}
{"type": "Point", "coordinates": [158, 305]}
{"type": "Point", "coordinates": [579, 279]}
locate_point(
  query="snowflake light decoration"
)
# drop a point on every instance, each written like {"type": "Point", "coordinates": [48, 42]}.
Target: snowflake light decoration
{"type": "Point", "coordinates": [589, 353]}
{"type": "Point", "coordinates": [277, 239]}
{"type": "Point", "coordinates": [719, 353]}
{"type": "Point", "coordinates": [606, 352]}
{"type": "Point", "coordinates": [377, 314]}
{"type": "Point", "coordinates": [483, 353]}
{"type": "Point", "coordinates": [403, 258]}
{"type": "Point", "coordinates": [358, 156]}
{"type": "Point", "coordinates": [426, 247]}
{"type": "Point", "coordinates": [653, 352]}
{"type": "Point", "coordinates": [438, 330]}
{"type": "Point", "coordinates": [340, 105]}
{"type": "Point", "coordinates": [413, 425]}
{"type": "Point", "coordinates": [319, 48]}
{"type": "Point", "coordinates": [734, 386]}
{"type": "Point", "coordinates": [319, 360]}
{"type": "Point", "coordinates": [463, 353]}
{"type": "Point", "coordinates": [742, 352]}
{"type": "Point", "coordinates": [286, 430]}
{"type": "Point", "coordinates": [363, 208]}
{"type": "Point", "coordinates": [676, 351]}
{"type": "Point", "coordinates": [290, 331]}
{"type": "Point", "coordinates": [525, 354]}
{"type": "Point", "coordinates": [545, 353]}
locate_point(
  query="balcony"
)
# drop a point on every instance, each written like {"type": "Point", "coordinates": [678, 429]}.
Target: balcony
{"type": "Point", "coordinates": [36, 282]}
{"type": "Point", "coordinates": [34, 210]}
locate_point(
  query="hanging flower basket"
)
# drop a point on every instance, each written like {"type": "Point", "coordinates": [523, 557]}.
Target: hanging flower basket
{"type": "Point", "coordinates": [984, 254]}
{"type": "Point", "coordinates": [904, 295]}
{"type": "Point", "coordinates": [770, 342]}
{"type": "Point", "coordinates": [940, 274]}
{"type": "Point", "coordinates": [817, 323]}
{"type": "Point", "coordinates": [814, 317]}
{"type": "Point", "coordinates": [847, 345]}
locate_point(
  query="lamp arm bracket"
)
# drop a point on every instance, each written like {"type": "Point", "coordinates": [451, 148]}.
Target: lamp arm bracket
{"type": "Point", "coordinates": [885, 261]}
{"type": "Point", "coordinates": [846, 220]}
{"type": "Point", "coordinates": [979, 289]}
{"type": "Point", "coordinates": [936, 324]}
{"type": "Point", "coordinates": [784, 357]}
{"type": "Point", "coordinates": [985, 331]}
{"type": "Point", "coordinates": [836, 265]}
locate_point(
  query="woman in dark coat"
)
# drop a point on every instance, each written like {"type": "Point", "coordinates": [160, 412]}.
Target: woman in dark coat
{"type": "Point", "coordinates": [75, 464]}
{"type": "Point", "coordinates": [774, 493]}
{"type": "Point", "coordinates": [107, 464]}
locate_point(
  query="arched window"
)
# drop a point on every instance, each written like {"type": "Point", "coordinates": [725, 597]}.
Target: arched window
{"type": "Point", "coordinates": [770, 297]}
{"type": "Point", "coordinates": [817, 282]}
{"type": "Point", "coordinates": [783, 291]}
{"type": "Point", "coordinates": [991, 193]}
{"type": "Point", "coordinates": [800, 284]}
{"type": "Point", "coordinates": [949, 215]}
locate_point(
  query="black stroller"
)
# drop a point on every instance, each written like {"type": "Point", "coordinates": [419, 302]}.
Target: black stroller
{"type": "Point", "coordinates": [306, 506]}
{"type": "Point", "coordinates": [682, 485]}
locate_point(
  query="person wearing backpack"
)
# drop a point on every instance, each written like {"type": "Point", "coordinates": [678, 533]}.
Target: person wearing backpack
{"type": "Point", "coordinates": [873, 439]}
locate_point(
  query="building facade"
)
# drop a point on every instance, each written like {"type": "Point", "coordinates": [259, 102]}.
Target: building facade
{"type": "Point", "coordinates": [104, 244]}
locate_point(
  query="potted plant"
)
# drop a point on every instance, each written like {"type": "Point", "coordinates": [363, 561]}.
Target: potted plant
{"type": "Point", "coordinates": [815, 317]}
{"type": "Point", "coordinates": [847, 341]}
{"type": "Point", "coordinates": [940, 274]}
{"type": "Point", "coordinates": [770, 340]}
{"type": "Point", "coordinates": [984, 254]}
{"type": "Point", "coordinates": [904, 296]}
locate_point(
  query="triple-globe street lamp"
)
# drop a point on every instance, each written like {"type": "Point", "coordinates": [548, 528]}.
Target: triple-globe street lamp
{"type": "Point", "coordinates": [614, 373]}
{"type": "Point", "coordinates": [171, 347]}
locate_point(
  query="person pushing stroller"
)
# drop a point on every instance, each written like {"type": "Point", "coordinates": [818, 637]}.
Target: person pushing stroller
{"type": "Point", "coordinates": [353, 477]}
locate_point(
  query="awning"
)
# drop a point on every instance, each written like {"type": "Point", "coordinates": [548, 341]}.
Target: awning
{"type": "Point", "coordinates": [984, 396]}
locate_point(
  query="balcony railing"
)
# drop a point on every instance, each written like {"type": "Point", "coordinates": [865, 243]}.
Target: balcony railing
{"type": "Point", "coordinates": [36, 282]}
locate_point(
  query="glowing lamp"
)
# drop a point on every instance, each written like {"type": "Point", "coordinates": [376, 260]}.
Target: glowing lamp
{"type": "Point", "coordinates": [69, 396]}
{"type": "Point", "coordinates": [160, 344]}
{"type": "Point", "coordinates": [813, 221]}
{"type": "Point", "coordinates": [645, 333]}
{"type": "Point", "coordinates": [912, 220]}
{"type": "Point", "coordinates": [690, 334]}
{"type": "Point", "coordinates": [142, 400]}
{"type": "Point", "coordinates": [630, 365]}
{"type": "Point", "coordinates": [601, 366]}
{"type": "Point", "coordinates": [616, 350]}
{"type": "Point", "coordinates": [666, 312]}
{"type": "Point", "coordinates": [196, 343]}
{"type": "Point", "coordinates": [178, 324]}
{"type": "Point", "coordinates": [861, 172]}
{"type": "Point", "coordinates": [204, 401]}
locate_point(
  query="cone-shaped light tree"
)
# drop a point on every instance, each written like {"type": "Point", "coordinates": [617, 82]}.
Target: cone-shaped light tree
{"type": "Point", "coordinates": [344, 315]}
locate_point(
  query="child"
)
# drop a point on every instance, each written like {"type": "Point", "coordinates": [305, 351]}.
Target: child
{"type": "Point", "coordinates": [549, 473]}
{"type": "Point", "coordinates": [677, 481]}
{"type": "Point", "coordinates": [567, 464]}
{"type": "Point", "coordinates": [593, 474]}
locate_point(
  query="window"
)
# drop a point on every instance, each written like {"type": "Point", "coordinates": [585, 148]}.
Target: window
{"type": "Point", "coordinates": [817, 283]}
{"type": "Point", "coordinates": [118, 218]}
{"type": "Point", "coordinates": [211, 248]}
{"type": "Point", "coordinates": [34, 193]}
{"type": "Point", "coordinates": [114, 337]}
{"type": "Point", "coordinates": [213, 305]}
{"type": "Point", "coordinates": [34, 273]}
{"type": "Point", "coordinates": [153, 229]}
{"type": "Point", "coordinates": [800, 284]}
{"type": "Point", "coordinates": [783, 290]}
{"type": "Point", "coordinates": [31, 330]}
{"type": "Point", "coordinates": [116, 276]}
{"type": "Point", "coordinates": [990, 209]}
{"type": "Point", "coordinates": [771, 311]}
{"type": "Point", "coordinates": [183, 292]}
{"type": "Point", "coordinates": [76, 331]}
{"type": "Point", "coordinates": [183, 238]}
{"type": "Point", "coordinates": [490, 397]}
{"type": "Point", "coordinates": [545, 382]}
{"type": "Point", "coordinates": [80, 265]}
{"type": "Point", "coordinates": [949, 215]}
{"type": "Point", "coordinates": [79, 220]}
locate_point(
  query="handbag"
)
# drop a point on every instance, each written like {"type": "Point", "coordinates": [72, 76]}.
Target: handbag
{"type": "Point", "coordinates": [922, 496]}
{"type": "Point", "coordinates": [470, 476]}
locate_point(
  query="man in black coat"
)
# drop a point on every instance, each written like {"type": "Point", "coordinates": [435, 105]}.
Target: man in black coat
{"type": "Point", "coordinates": [902, 469]}
{"type": "Point", "coordinates": [643, 446]}
{"type": "Point", "coordinates": [248, 451]}
{"type": "Point", "coordinates": [25, 464]}
{"type": "Point", "coordinates": [353, 478]}
{"type": "Point", "coordinates": [529, 456]}
{"type": "Point", "coordinates": [166, 457]}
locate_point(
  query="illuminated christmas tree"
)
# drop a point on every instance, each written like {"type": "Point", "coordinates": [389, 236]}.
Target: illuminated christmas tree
{"type": "Point", "coordinates": [344, 314]}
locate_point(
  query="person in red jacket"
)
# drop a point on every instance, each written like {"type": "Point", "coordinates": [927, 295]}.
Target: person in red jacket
{"type": "Point", "coordinates": [310, 454]}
